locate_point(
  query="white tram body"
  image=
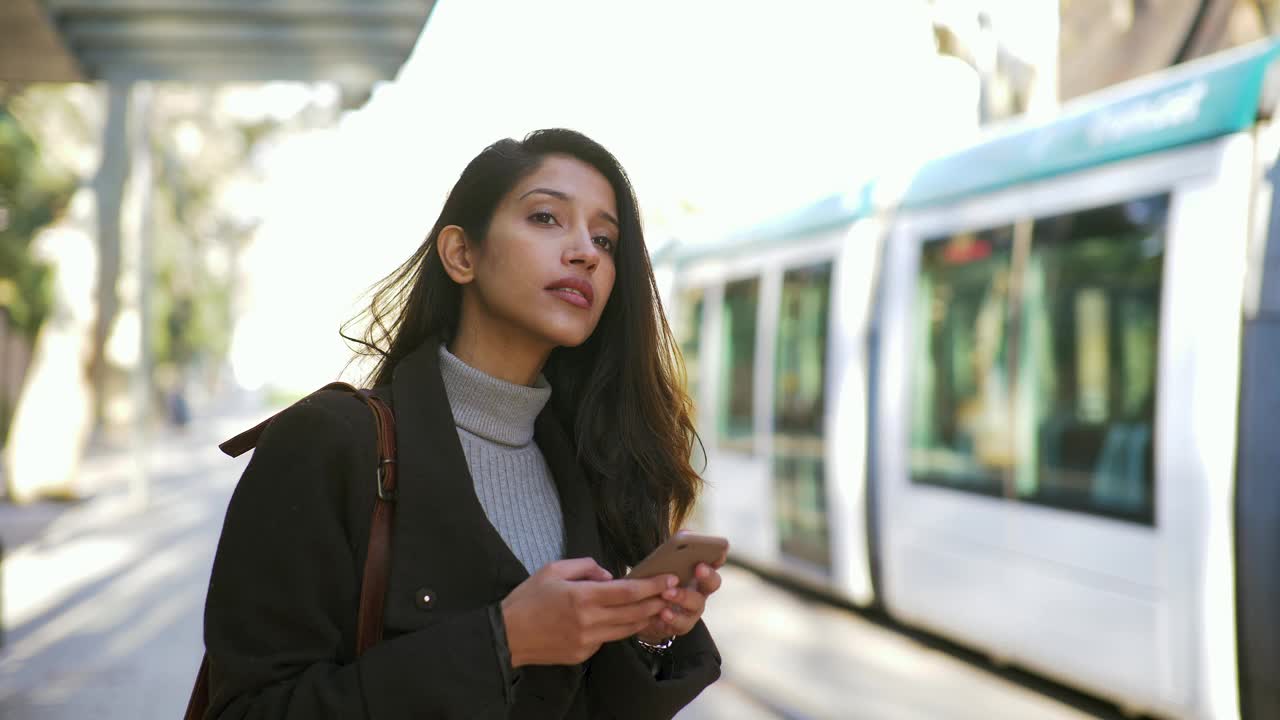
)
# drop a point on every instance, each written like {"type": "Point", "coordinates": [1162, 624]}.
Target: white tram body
{"type": "Point", "coordinates": [1025, 403]}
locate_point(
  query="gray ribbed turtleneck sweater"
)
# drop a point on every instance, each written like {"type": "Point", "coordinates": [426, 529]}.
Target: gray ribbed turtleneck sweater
{"type": "Point", "coordinates": [513, 483]}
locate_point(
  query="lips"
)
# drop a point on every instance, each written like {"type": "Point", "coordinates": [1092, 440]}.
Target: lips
{"type": "Point", "coordinates": [574, 291]}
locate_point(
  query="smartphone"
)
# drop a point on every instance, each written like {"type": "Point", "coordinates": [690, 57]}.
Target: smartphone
{"type": "Point", "coordinates": [680, 554]}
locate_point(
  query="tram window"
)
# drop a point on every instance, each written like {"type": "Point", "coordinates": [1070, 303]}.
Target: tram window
{"type": "Point", "coordinates": [960, 411]}
{"type": "Point", "coordinates": [689, 329]}
{"type": "Point", "coordinates": [738, 362]}
{"type": "Point", "coordinates": [799, 391]}
{"type": "Point", "coordinates": [1087, 383]}
{"type": "Point", "coordinates": [689, 314]}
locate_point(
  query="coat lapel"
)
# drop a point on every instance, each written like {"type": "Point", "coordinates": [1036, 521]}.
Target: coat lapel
{"type": "Point", "coordinates": [442, 540]}
{"type": "Point", "coordinates": [582, 537]}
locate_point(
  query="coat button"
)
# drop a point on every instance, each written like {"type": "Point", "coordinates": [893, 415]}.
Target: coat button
{"type": "Point", "coordinates": [424, 598]}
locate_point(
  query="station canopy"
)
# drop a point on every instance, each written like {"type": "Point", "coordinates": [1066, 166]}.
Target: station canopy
{"type": "Point", "coordinates": [351, 42]}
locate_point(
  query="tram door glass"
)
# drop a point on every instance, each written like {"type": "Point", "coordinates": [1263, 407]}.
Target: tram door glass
{"type": "Point", "coordinates": [799, 471]}
{"type": "Point", "coordinates": [736, 411]}
{"type": "Point", "coordinates": [689, 316]}
{"type": "Point", "coordinates": [1087, 360]}
{"type": "Point", "coordinates": [689, 334]}
{"type": "Point", "coordinates": [961, 399]}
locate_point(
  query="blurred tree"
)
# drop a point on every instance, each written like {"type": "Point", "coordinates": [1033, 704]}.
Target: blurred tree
{"type": "Point", "coordinates": [1014, 74]}
{"type": "Point", "coordinates": [203, 210]}
{"type": "Point", "coordinates": [33, 192]}
{"type": "Point", "coordinates": [1269, 14]}
{"type": "Point", "coordinates": [1104, 42]}
{"type": "Point", "coordinates": [200, 156]}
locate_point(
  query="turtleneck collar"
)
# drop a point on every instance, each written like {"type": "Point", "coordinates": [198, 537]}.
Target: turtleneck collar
{"type": "Point", "coordinates": [493, 409]}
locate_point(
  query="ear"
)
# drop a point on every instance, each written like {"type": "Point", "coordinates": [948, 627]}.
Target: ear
{"type": "Point", "coordinates": [456, 254]}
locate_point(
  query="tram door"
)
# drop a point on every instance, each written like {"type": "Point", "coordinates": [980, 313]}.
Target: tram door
{"type": "Point", "coordinates": [690, 314]}
{"type": "Point", "coordinates": [798, 462]}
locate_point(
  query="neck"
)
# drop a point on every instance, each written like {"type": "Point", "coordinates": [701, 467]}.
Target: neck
{"type": "Point", "coordinates": [500, 412]}
{"type": "Point", "coordinates": [507, 354]}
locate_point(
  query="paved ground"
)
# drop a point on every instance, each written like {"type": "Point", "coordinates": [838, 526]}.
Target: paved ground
{"type": "Point", "coordinates": [102, 601]}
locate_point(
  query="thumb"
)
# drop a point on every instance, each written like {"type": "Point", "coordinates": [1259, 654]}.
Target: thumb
{"type": "Point", "coordinates": [579, 569]}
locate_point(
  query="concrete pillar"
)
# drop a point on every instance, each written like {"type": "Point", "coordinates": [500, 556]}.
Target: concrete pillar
{"type": "Point", "coordinates": [141, 184]}
{"type": "Point", "coordinates": [108, 187]}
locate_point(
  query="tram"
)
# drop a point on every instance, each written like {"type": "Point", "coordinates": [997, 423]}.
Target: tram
{"type": "Point", "coordinates": [1025, 399]}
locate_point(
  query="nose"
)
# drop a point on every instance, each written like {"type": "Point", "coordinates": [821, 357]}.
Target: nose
{"type": "Point", "coordinates": [582, 252]}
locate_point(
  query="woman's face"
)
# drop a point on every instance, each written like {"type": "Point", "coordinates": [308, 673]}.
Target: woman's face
{"type": "Point", "coordinates": [546, 268]}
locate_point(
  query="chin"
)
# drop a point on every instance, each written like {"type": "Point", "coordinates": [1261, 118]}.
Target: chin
{"type": "Point", "coordinates": [569, 336]}
{"type": "Point", "coordinates": [572, 341]}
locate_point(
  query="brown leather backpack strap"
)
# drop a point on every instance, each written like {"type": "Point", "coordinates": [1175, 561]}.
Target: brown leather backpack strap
{"type": "Point", "coordinates": [245, 441]}
{"type": "Point", "coordinates": [377, 561]}
{"type": "Point", "coordinates": [248, 440]}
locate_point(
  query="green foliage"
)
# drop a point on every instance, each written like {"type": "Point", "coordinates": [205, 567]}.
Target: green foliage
{"type": "Point", "coordinates": [189, 320]}
{"type": "Point", "coordinates": [190, 301]}
{"type": "Point", "coordinates": [6, 418]}
{"type": "Point", "coordinates": [32, 194]}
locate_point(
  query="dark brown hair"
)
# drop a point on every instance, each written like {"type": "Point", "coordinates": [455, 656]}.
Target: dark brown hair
{"type": "Point", "coordinates": [619, 395]}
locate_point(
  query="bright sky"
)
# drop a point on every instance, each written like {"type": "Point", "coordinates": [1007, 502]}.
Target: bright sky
{"type": "Point", "coordinates": [737, 109]}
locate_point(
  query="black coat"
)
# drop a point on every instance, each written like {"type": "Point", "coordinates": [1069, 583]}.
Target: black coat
{"type": "Point", "coordinates": [281, 611]}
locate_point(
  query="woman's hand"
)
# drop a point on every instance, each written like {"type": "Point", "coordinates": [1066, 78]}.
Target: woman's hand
{"type": "Point", "coordinates": [564, 612]}
{"type": "Point", "coordinates": [685, 605]}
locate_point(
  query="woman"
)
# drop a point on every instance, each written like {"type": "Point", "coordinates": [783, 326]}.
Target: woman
{"type": "Point", "coordinates": [544, 447]}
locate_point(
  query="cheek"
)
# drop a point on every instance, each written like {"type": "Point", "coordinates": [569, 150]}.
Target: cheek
{"type": "Point", "coordinates": [608, 279]}
{"type": "Point", "coordinates": [503, 269]}
{"type": "Point", "coordinates": [506, 262]}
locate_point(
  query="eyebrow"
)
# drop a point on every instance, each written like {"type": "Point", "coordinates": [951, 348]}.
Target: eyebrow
{"type": "Point", "coordinates": [566, 198]}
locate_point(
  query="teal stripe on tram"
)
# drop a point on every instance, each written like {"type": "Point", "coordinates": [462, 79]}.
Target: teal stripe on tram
{"type": "Point", "coordinates": [830, 212]}
{"type": "Point", "coordinates": [1198, 101]}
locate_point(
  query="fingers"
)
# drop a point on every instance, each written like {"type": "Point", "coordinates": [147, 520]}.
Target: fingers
{"type": "Point", "coordinates": [689, 602]}
{"type": "Point", "coordinates": [681, 624]}
{"type": "Point", "coordinates": [631, 620]}
{"type": "Point", "coordinates": [673, 620]}
{"type": "Point", "coordinates": [578, 569]}
{"type": "Point", "coordinates": [641, 612]}
{"type": "Point", "coordinates": [610, 633]}
{"type": "Point", "coordinates": [625, 592]}
{"type": "Point", "coordinates": [686, 605]}
{"type": "Point", "coordinates": [615, 609]}
{"type": "Point", "coordinates": [656, 632]}
{"type": "Point", "coordinates": [707, 579]}
{"type": "Point", "coordinates": [684, 611]}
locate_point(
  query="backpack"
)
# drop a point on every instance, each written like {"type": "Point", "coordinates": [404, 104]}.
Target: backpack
{"type": "Point", "coordinates": [377, 564]}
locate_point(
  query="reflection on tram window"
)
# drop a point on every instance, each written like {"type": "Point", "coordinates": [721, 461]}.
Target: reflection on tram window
{"type": "Point", "coordinates": [798, 467]}
{"type": "Point", "coordinates": [960, 424]}
{"type": "Point", "coordinates": [688, 332]}
{"type": "Point", "coordinates": [1086, 397]}
{"type": "Point", "coordinates": [689, 326]}
{"type": "Point", "coordinates": [738, 362]}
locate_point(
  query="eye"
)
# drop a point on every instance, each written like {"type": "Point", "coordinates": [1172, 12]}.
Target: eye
{"type": "Point", "coordinates": [604, 242]}
{"type": "Point", "coordinates": [543, 218]}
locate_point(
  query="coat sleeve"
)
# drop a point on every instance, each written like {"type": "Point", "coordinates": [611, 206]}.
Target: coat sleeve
{"type": "Point", "coordinates": [281, 610]}
{"type": "Point", "coordinates": [620, 685]}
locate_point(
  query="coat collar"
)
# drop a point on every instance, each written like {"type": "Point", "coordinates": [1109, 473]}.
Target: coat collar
{"type": "Point", "coordinates": [442, 538]}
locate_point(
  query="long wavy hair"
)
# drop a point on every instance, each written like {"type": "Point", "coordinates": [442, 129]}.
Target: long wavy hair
{"type": "Point", "coordinates": [620, 394]}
